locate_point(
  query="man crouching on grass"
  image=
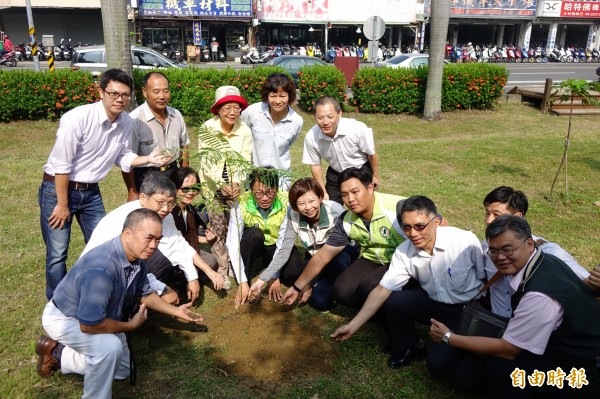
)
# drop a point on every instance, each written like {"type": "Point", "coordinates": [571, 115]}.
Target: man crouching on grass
{"type": "Point", "coordinates": [83, 319]}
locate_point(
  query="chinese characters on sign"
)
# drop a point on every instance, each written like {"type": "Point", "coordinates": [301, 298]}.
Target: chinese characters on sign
{"type": "Point", "coordinates": [296, 10]}
{"type": "Point", "coordinates": [486, 8]}
{"type": "Point", "coordinates": [576, 378]}
{"type": "Point", "coordinates": [200, 8]}
{"type": "Point", "coordinates": [571, 9]}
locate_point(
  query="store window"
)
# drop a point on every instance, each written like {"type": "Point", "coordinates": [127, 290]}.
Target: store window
{"type": "Point", "coordinates": [232, 41]}
{"type": "Point", "coordinates": [154, 37]}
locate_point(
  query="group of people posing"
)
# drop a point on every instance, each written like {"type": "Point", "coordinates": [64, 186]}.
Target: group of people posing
{"type": "Point", "coordinates": [394, 259]}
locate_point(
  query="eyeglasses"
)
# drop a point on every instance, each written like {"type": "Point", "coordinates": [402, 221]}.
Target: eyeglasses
{"type": "Point", "coordinates": [115, 94]}
{"type": "Point", "coordinates": [229, 108]}
{"type": "Point", "coordinates": [493, 252]}
{"type": "Point", "coordinates": [260, 194]}
{"type": "Point", "coordinates": [417, 227]}
{"type": "Point", "coordinates": [186, 190]}
{"type": "Point", "coordinates": [169, 204]}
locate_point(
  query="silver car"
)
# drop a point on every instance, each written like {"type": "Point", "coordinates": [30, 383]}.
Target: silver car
{"type": "Point", "coordinates": [93, 59]}
{"type": "Point", "coordinates": [406, 61]}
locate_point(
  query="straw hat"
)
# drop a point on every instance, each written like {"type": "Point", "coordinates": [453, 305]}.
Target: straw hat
{"type": "Point", "coordinates": [225, 94]}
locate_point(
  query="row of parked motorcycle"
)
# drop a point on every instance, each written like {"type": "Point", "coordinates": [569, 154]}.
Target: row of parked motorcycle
{"type": "Point", "coordinates": [470, 53]}
{"type": "Point", "coordinates": [23, 52]}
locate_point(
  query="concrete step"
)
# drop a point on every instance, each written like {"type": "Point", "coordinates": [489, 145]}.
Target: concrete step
{"type": "Point", "coordinates": [579, 111]}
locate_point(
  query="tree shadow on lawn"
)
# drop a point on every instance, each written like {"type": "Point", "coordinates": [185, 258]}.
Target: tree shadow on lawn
{"type": "Point", "coordinates": [511, 170]}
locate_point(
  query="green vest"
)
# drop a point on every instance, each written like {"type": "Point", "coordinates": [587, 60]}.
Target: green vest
{"type": "Point", "coordinates": [379, 242]}
{"type": "Point", "coordinates": [253, 218]}
{"type": "Point", "coordinates": [577, 339]}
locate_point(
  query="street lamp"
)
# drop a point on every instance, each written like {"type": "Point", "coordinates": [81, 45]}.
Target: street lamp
{"type": "Point", "coordinates": [311, 29]}
{"type": "Point", "coordinates": [358, 30]}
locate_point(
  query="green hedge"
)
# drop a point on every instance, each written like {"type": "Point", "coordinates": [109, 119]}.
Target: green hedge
{"type": "Point", "coordinates": [37, 95]}
{"type": "Point", "coordinates": [317, 81]}
{"type": "Point", "coordinates": [464, 86]}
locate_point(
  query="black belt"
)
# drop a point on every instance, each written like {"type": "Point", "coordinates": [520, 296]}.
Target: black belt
{"type": "Point", "coordinates": [74, 185]}
{"type": "Point", "coordinates": [168, 166]}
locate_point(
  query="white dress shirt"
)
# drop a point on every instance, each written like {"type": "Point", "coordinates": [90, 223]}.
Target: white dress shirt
{"type": "Point", "coordinates": [349, 148]}
{"type": "Point", "coordinates": [272, 142]}
{"type": "Point", "coordinates": [172, 244]}
{"type": "Point", "coordinates": [500, 291]}
{"type": "Point", "coordinates": [88, 144]}
{"type": "Point", "coordinates": [451, 274]}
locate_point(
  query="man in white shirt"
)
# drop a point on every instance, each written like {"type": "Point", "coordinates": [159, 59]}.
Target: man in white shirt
{"type": "Point", "coordinates": [89, 140]}
{"type": "Point", "coordinates": [505, 200]}
{"type": "Point", "coordinates": [342, 142]}
{"type": "Point", "coordinates": [158, 194]}
{"type": "Point", "coordinates": [431, 275]}
{"type": "Point", "coordinates": [156, 125]}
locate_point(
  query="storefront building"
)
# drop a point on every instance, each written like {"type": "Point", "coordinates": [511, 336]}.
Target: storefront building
{"type": "Point", "coordinates": [524, 23]}
{"type": "Point", "coordinates": [337, 22]}
{"type": "Point", "coordinates": [193, 22]}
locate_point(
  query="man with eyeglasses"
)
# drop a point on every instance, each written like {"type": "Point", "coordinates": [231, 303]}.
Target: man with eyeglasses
{"type": "Point", "coordinates": [256, 218]}
{"type": "Point", "coordinates": [158, 194]}
{"type": "Point", "coordinates": [89, 140]}
{"type": "Point", "coordinates": [432, 274]}
{"type": "Point", "coordinates": [505, 200]}
{"type": "Point", "coordinates": [156, 125]}
{"type": "Point", "coordinates": [555, 329]}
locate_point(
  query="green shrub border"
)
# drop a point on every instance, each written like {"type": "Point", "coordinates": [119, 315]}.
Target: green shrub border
{"type": "Point", "coordinates": [28, 95]}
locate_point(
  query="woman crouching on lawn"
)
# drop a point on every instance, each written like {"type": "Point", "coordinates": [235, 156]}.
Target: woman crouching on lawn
{"type": "Point", "coordinates": [311, 218]}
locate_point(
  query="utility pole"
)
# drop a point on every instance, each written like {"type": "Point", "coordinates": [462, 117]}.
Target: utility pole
{"type": "Point", "coordinates": [34, 49]}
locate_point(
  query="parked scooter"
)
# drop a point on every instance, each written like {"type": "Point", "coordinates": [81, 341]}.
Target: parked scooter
{"type": "Point", "coordinates": [252, 56]}
{"type": "Point", "coordinates": [9, 59]}
{"type": "Point", "coordinates": [19, 50]}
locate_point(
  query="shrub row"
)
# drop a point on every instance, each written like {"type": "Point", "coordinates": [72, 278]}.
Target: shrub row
{"type": "Point", "coordinates": [390, 91]}
{"type": "Point", "coordinates": [36, 95]}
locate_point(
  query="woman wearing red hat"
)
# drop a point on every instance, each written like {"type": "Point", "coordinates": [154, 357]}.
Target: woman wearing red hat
{"type": "Point", "coordinates": [227, 109]}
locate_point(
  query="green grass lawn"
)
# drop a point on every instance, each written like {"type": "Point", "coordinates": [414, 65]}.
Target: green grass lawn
{"type": "Point", "coordinates": [456, 162]}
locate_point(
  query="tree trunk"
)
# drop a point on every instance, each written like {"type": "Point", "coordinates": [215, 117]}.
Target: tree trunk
{"type": "Point", "coordinates": [116, 38]}
{"type": "Point", "coordinates": [438, 27]}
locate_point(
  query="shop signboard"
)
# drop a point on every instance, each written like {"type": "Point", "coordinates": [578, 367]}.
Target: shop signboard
{"type": "Point", "coordinates": [197, 30]}
{"type": "Point", "coordinates": [570, 9]}
{"type": "Point", "coordinates": [294, 10]}
{"type": "Point", "coordinates": [489, 8]}
{"type": "Point", "coordinates": [196, 8]}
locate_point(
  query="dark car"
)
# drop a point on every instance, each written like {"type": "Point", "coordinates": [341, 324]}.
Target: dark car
{"type": "Point", "coordinates": [293, 63]}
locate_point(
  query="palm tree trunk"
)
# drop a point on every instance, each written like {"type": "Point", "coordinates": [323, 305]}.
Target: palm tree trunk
{"type": "Point", "coordinates": [440, 15]}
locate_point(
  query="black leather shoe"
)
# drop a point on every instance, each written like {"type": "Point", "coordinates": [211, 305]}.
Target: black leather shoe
{"type": "Point", "coordinates": [417, 351]}
{"type": "Point", "coordinates": [46, 364]}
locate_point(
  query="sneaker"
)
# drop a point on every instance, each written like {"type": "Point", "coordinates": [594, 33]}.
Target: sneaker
{"type": "Point", "coordinates": [226, 284]}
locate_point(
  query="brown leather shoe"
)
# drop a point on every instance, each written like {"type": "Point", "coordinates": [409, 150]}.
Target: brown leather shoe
{"type": "Point", "coordinates": [47, 364]}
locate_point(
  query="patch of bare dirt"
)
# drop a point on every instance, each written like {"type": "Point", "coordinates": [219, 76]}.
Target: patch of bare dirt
{"type": "Point", "coordinates": [267, 342]}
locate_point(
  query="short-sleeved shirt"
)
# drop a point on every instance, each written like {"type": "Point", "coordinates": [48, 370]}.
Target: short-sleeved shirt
{"type": "Point", "coordinates": [88, 143]}
{"type": "Point", "coordinates": [349, 148]}
{"type": "Point", "coordinates": [535, 318]}
{"type": "Point", "coordinates": [272, 142]}
{"type": "Point", "coordinates": [148, 133]}
{"type": "Point", "coordinates": [99, 283]}
{"type": "Point", "coordinates": [452, 274]}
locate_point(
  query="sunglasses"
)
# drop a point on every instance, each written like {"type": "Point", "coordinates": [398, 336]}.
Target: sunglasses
{"type": "Point", "coordinates": [417, 227]}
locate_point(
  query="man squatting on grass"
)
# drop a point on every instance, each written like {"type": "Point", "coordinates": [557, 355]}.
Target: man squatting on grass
{"type": "Point", "coordinates": [86, 322]}
{"type": "Point", "coordinates": [555, 322]}
{"type": "Point", "coordinates": [89, 140]}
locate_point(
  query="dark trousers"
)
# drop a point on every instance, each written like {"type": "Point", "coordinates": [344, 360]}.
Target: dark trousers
{"type": "Point", "coordinates": [412, 304]}
{"type": "Point", "coordinates": [140, 173]}
{"type": "Point", "coordinates": [500, 384]}
{"type": "Point", "coordinates": [163, 270]}
{"type": "Point", "coordinates": [353, 286]}
{"type": "Point", "coordinates": [253, 247]}
{"type": "Point", "coordinates": [322, 293]}
{"type": "Point", "coordinates": [332, 186]}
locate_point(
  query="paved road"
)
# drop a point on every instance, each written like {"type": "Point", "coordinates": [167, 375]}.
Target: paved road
{"type": "Point", "coordinates": [520, 74]}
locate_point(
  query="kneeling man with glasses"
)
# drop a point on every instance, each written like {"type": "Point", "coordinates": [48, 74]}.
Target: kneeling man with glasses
{"type": "Point", "coordinates": [432, 274]}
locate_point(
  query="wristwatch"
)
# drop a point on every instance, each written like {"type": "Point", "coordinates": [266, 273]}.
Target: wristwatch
{"type": "Point", "coordinates": [446, 337]}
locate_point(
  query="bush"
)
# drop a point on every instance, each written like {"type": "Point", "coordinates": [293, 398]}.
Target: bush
{"type": "Point", "coordinates": [317, 81]}
{"type": "Point", "coordinates": [39, 95]}
{"type": "Point", "coordinates": [464, 86]}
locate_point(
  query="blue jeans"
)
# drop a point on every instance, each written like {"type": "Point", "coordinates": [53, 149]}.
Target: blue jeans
{"type": "Point", "coordinates": [86, 206]}
{"type": "Point", "coordinates": [322, 295]}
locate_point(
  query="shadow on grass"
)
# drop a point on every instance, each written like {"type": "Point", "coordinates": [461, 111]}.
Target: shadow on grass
{"type": "Point", "coordinates": [506, 169]}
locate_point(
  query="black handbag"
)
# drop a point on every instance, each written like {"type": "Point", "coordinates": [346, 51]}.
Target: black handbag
{"type": "Point", "coordinates": [475, 320]}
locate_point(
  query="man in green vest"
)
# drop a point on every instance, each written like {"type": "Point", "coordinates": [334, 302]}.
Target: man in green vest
{"type": "Point", "coordinates": [371, 221]}
{"type": "Point", "coordinates": [256, 217]}
{"type": "Point", "coordinates": [551, 346]}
